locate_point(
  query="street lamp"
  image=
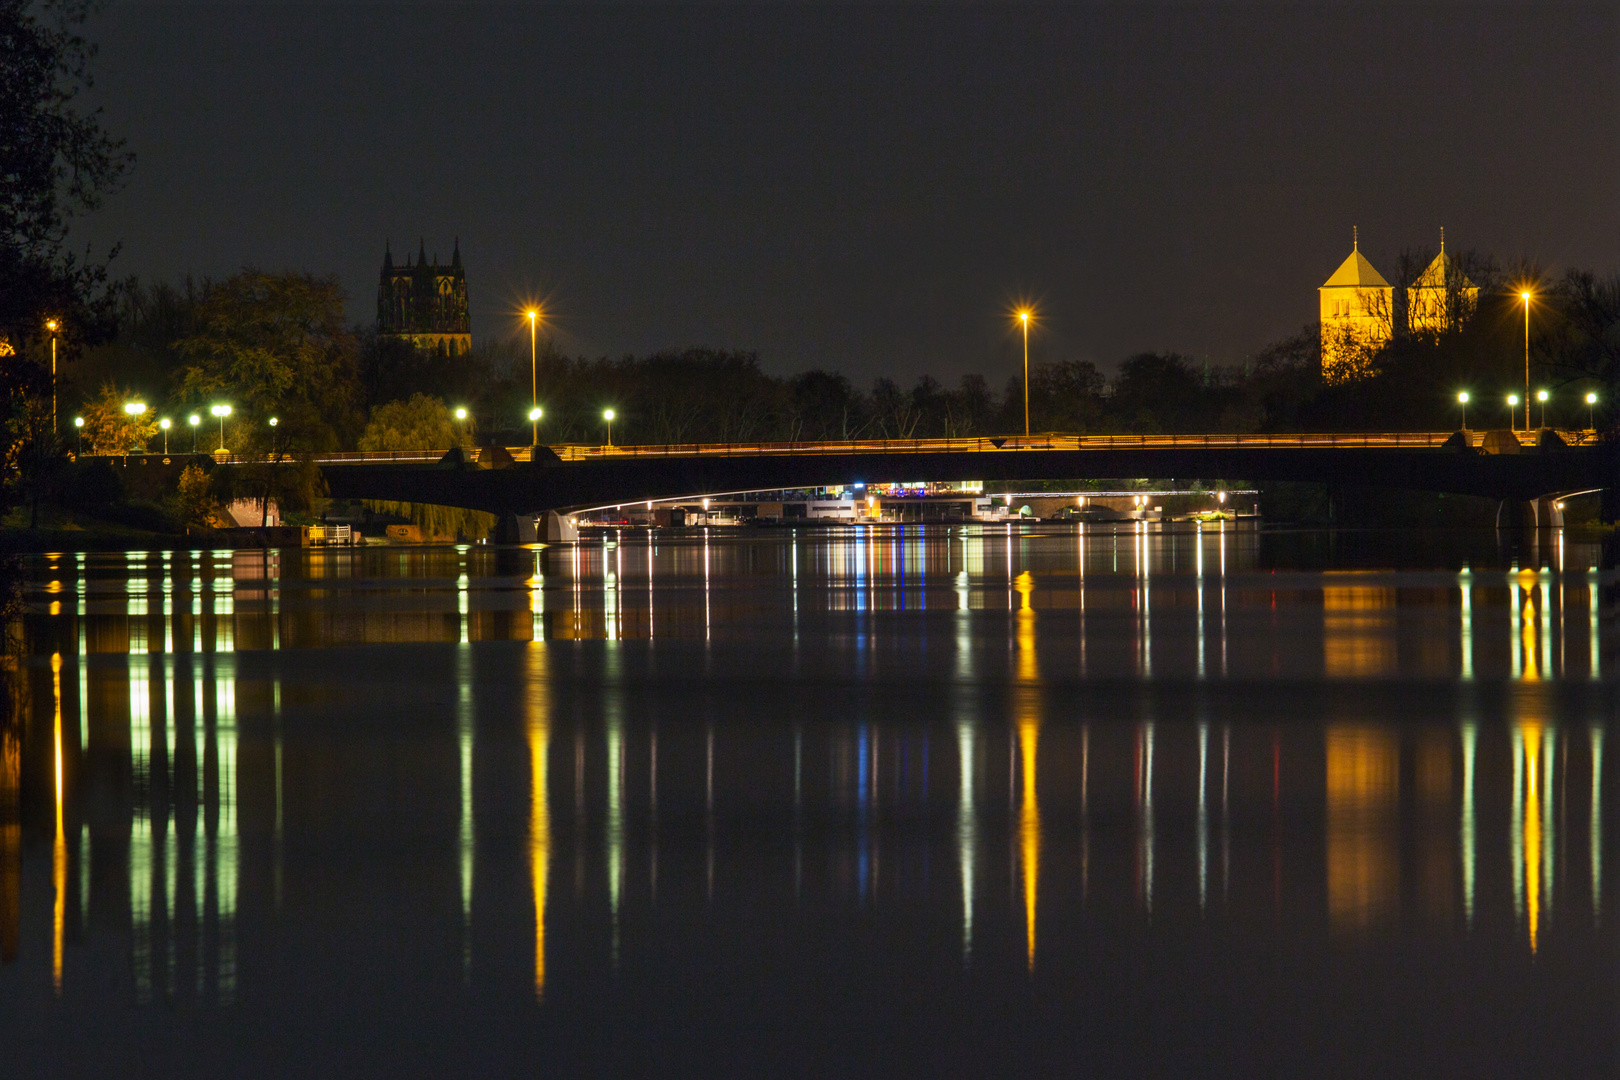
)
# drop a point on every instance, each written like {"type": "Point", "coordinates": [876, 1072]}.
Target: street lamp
{"type": "Point", "coordinates": [1023, 322]}
{"type": "Point", "coordinates": [534, 378]}
{"type": "Point", "coordinates": [461, 422]}
{"type": "Point", "coordinates": [221, 411]}
{"type": "Point", "coordinates": [78, 435]}
{"type": "Point", "coordinates": [53, 326]}
{"type": "Point", "coordinates": [1513, 403]}
{"type": "Point", "coordinates": [164, 424]}
{"type": "Point", "coordinates": [1525, 296]}
{"type": "Point", "coordinates": [608, 414]}
{"type": "Point", "coordinates": [194, 420]}
{"type": "Point", "coordinates": [1591, 400]}
{"type": "Point", "coordinates": [134, 410]}
{"type": "Point", "coordinates": [1462, 399]}
{"type": "Point", "coordinates": [1541, 396]}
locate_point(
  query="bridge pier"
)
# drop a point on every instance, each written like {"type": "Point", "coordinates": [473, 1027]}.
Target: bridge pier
{"type": "Point", "coordinates": [1546, 512]}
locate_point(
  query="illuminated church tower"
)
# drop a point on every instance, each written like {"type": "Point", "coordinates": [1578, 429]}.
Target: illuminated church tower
{"type": "Point", "coordinates": [1442, 297]}
{"type": "Point", "coordinates": [425, 304]}
{"type": "Point", "coordinates": [1356, 315]}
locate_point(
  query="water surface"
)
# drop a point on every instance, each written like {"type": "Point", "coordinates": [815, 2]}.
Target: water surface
{"type": "Point", "coordinates": [927, 801]}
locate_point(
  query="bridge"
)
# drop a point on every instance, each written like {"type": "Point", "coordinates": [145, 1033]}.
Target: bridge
{"type": "Point", "coordinates": [528, 482]}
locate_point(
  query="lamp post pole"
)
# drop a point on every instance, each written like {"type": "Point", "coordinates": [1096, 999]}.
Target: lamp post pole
{"type": "Point", "coordinates": [1462, 399]}
{"type": "Point", "coordinates": [1541, 396]}
{"type": "Point", "coordinates": [1525, 296]}
{"type": "Point", "coordinates": [1591, 421]}
{"type": "Point", "coordinates": [53, 326]}
{"type": "Point", "coordinates": [1023, 318]}
{"type": "Point", "coordinates": [534, 378]}
{"type": "Point", "coordinates": [608, 415]}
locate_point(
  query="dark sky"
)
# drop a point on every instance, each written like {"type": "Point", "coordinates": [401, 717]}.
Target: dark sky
{"type": "Point", "coordinates": [867, 189]}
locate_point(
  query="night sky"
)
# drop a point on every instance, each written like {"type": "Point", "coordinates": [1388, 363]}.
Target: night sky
{"type": "Point", "coordinates": [857, 188]}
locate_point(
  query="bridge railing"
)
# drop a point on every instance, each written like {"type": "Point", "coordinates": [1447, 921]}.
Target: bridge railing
{"type": "Point", "coordinates": [577, 452]}
{"type": "Point", "coordinates": [1406, 439]}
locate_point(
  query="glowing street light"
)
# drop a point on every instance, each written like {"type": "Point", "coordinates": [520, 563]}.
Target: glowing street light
{"type": "Point", "coordinates": [221, 411]}
{"type": "Point", "coordinates": [534, 378]}
{"type": "Point", "coordinates": [274, 421]}
{"type": "Point", "coordinates": [1462, 399]}
{"type": "Point", "coordinates": [1513, 403]}
{"type": "Point", "coordinates": [608, 415]}
{"type": "Point", "coordinates": [165, 424]}
{"type": "Point", "coordinates": [1525, 296]}
{"type": "Point", "coordinates": [1541, 396]}
{"type": "Point", "coordinates": [78, 436]}
{"type": "Point", "coordinates": [53, 325]}
{"type": "Point", "coordinates": [134, 410]}
{"type": "Point", "coordinates": [194, 420]}
{"type": "Point", "coordinates": [1591, 400]}
{"type": "Point", "coordinates": [1023, 322]}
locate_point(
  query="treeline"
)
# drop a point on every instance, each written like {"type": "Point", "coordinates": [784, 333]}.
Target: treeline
{"type": "Point", "coordinates": [277, 344]}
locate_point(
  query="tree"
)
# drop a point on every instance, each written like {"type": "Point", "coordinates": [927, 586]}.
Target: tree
{"type": "Point", "coordinates": [109, 429]}
{"type": "Point", "coordinates": [275, 345]}
{"type": "Point", "coordinates": [194, 497]}
{"type": "Point", "coordinates": [55, 162]}
{"type": "Point", "coordinates": [420, 423]}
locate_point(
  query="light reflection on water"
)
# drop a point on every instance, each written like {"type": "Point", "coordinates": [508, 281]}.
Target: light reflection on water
{"type": "Point", "coordinates": [249, 773]}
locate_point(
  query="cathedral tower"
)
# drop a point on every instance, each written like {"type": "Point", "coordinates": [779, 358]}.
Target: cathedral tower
{"type": "Point", "coordinates": [425, 304]}
{"type": "Point", "coordinates": [1442, 297]}
{"type": "Point", "coordinates": [1356, 316]}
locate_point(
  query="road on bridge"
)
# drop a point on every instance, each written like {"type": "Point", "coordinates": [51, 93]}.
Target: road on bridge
{"type": "Point", "coordinates": [568, 477]}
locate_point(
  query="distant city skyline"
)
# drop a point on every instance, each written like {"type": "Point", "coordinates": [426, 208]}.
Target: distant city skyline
{"type": "Point", "coordinates": [865, 190]}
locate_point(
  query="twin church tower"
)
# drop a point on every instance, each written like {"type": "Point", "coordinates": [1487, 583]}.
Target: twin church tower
{"type": "Point", "coordinates": [1359, 313]}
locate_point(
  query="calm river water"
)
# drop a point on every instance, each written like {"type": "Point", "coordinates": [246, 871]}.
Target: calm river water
{"type": "Point", "coordinates": [928, 801]}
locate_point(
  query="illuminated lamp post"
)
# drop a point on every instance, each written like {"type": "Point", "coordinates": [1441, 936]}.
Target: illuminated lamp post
{"type": "Point", "coordinates": [1525, 296]}
{"type": "Point", "coordinates": [608, 415]}
{"type": "Point", "coordinates": [194, 420]}
{"type": "Point", "coordinates": [221, 411]}
{"type": "Point", "coordinates": [1541, 396]}
{"type": "Point", "coordinates": [164, 424]}
{"type": "Point", "coordinates": [534, 377]}
{"type": "Point", "coordinates": [1023, 321]}
{"type": "Point", "coordinates": [135, 410]}
{"type": "Point", "coordinates": [461, 423]}
{"type": "Point", "coordinates": [1513, 404]}
{"type": "Point", "coordinates": [1462, 399]}
{"type": "Point", "coordinates": [1591, 401]}
{"type": "Point", "coordinates": [53, 326]}
{"type": "Point", "coordinates": [78, 436]}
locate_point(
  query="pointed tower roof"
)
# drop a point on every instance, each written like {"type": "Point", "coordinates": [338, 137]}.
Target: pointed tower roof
{"type": "Point", "coordinates": [455, 256]}
{"type": "Point", "coordinates": [1356, 273]}
{"type": "Point", "coordinates": [1441, 270]}
{"type": "Point", "coordinates": [388, 256]}
{"type": "Point", "coordinates": [421, 252]}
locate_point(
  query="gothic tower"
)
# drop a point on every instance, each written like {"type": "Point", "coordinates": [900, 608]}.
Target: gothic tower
{"type": "Point", "coordinates": [425, 304]}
